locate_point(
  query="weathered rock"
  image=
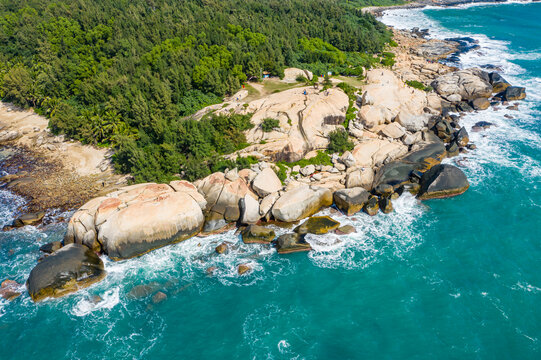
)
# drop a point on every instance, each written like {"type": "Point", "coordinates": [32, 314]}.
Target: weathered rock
{"type": "Point", "coordinates": [452, 149]}
{"type": "Point", "coordinates": [291, 74]}
{"type": "Point", "coordinates": [159, 297]}
{"type": "Point", "coordinates": [6, 135]}
{"type": "Point", "coordinates": [308, 170]}
{"type": "Point", "coordinates": [384, 189]}
{"type": "Point", "coordinates": [67, 270]}
{"type": "Point", "coordinates": [363, 177]}
{"type": "Point", "coordinates": [444, 130]}
{"type": "Point", "coordinates": [300, 203]}
{"type": "Point", "coordinates": [317, 225]}
{"type": "Point", "coordinates": [9, 290]}
{"type": "Point", "coordinates": [51, 247]}
{"type": "Point", "coordinates": [221, 249]}
{"type": "Point", "coordinates": [461, 137]}
{"type": "Point", "coordinates": [345, 229]}
{"type": "Point", "coordinates": [243, 268]}
{"type": "Point", "coordinates": [514, 93]}
{"type": "Point", "coordinates": [393, 130]}
{"type": "Point", "coordinates": [249, 210]}
{"type": "Point", "coordinates": [499, 84]}
{"type": "Point", "coordinates": [255, 234]}
{"type": "Point", "coordinates": [442, 181]}
{"type": "Point", "coordinates": [267, 203]}
{"type": "Point", "coordinates": [372, 206]}
{"type": "Point", "coordinates": [396, 173]}
{"type": "Point", "coordinates": [266, 182]}
{"type": "Point", "coordinates": [351, 201]}
{"type": "Point", "coordinates": [385, 205]}
{"type": "Point", "coordinates": [469, 84]}
{"type": "Point", "coordinates": [29, 219]}
{"type": "Point", "coordinates": [430, 155]}
{"type": "Point", "coordinates": [481, 104]}
{"type": "Point", "coordinates": [375, 152]}
{"type": "Point", "coordinates": [290, 243]}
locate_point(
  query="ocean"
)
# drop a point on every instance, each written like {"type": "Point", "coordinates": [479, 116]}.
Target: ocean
{"type": "Point", "coordinates": [446, 279]}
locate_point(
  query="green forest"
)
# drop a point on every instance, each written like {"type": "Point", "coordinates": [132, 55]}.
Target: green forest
{"type": "Point", "coordinates": [127, 73]}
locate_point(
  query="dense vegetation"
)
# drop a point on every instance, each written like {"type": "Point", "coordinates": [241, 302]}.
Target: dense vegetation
{"type": "Point", "coordinates": [126, 73]}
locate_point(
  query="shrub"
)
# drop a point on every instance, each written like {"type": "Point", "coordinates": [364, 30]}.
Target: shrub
{"type": "Point", "coordinates": [301, 79]}
{"type": "Point", "coordinates": [281, 172]}
{"type": "Point", "coordinates": [418, 85]}
{"type": "Point", "coordinates": [270, 124]}
{"type": "Point", "coordinates": [339, 142]}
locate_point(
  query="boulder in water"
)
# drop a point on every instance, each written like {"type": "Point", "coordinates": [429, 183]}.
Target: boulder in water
{"type": "Point", "coordinates": [69, 269]}
{"type": "Point", "coordinates": [255, 234]}
{"type": "Point", "coordinates": [317, 225]}
{"type": "Point", "coordinates": [499, 84]}
{"type": "Point", "coordinates": [29, 219]}
{"type": "Point", "coordinates": [480, 104]}
{"type": "Point", "coordinates": [514, 93]}
{"type": "Point", "coordinates": [9, 290]}
{"type": "Point", "coordinates": [372, 206]}
{"type": "Point", "coordinates": [442, 181]}
{"type": "Point", "coordinates": [290, 243]}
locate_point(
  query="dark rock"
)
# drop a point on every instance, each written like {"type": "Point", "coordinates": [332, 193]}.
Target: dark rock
{"type": "Point", "coordinates": [67, 270]}
{"type": "Point", "coordinates": [498, 83]}
{"type": "Point", "coordinates": [255, 234]}
{"type": "Point", "coordinates": [461, 137]}
{"type": "Point", "coordinates": [384, 189]}
{"type": "Point", "coordinates": [317, 225]}
{"type": "Point", "coordinates": [51, 247]}
{"type": "Point", "coordinates": [29, 219]}
{"type": "Point", "coordinates": [464, 107]}
{"type": "Point", "coordinates": [385, 205]}
{"type": "Point", "coordinates": [397, 173]}
{"type": "Point", "coordinates": [514, 107]}
{"type": "Point", "coordinates": [344, 230]}
{"type": "Point", "coordinates": [452, 149]}
{"type": "Point", "coordinates": [412, 188]}
{"type": "Point", "coordinates": [480, 104]}
{"type": "Point", "coordinates": [443, 181]}
{"type": "Point", "coordinates": [443, 130]}
{"type": "Point", "coordinates": [481, 125]}
{"type": "Point", "coordinates": [213, 222]}
{"type": "Point", "coordinates": [430, 155]}
{"type": "Point", "coordinates": [471, 146]}
{"type": "Point", "coordinates": [232, 213]}
{"type": "Point", "coordinates": [372, 206]}
{"type": "Point", "coordinates": [289, 243]}
{"type": "Point", "coordinates": [350, 201]}
{"type": "Point", "coordinates": [514, 93]}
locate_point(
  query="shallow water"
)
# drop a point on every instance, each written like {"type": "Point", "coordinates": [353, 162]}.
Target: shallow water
{"type": "Point", "coordinates": [453, 278]}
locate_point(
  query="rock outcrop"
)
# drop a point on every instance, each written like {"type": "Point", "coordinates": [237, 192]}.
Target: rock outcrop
{"type": "Point", "coordinates": [351, 201]}
{"type": "Point", "coordinates": [466, 85]}
{"type": "Point", "coordinates": [138, 218]}
{"type": "Point", "coordinates": [386, 99]}
{"type": "Point", "coordinates": [317, 225]}
{"type": "Point", "coordinates": [290, 243]}
{"type": "Point", "coordinates": [67, 270]}
{"type": "Point", "coordinates": [255, 234]}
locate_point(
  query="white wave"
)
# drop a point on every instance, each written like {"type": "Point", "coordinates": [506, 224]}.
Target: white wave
{"type": "Point", "coordinates": [524, 286]}
{"type": "Point", "coordinates": [9, 204]}
{"type": "Point", "coordinates": [376, 237]}
{"type": "Point", "coordinates": [86, 305]}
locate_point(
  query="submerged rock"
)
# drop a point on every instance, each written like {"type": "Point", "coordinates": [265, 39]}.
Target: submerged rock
{"type": "Point", "coordinates": [255, 234]}
{"type": "Point", "coordinates": [443, 181]}
{"type": "Point", "coordinates": [69, 269]}
{"type": "Point", "coordinates": [290, 243]}
{"type": "Point", "coordinates": [243, 269]}
{"type": "Point", "coordinates": [222, 248]}
{"type": "Point", "coordinates": [351, 201]}
{"type": "Point", "coordinates": [317, 225]}
{"type": "Point", "coordinates": [9, 290]}
{"type": "Point", "coordinates": [301, 202]}
{"type": "Point", "coordinates": [159, 297]}
{"type": "Point", "coordinates": [344, 230]}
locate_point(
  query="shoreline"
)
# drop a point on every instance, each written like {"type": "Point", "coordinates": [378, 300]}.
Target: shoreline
{"type": "Point", "coordinates": [124, 224]}
{"type": "Point", "coordinates": [378, 11]}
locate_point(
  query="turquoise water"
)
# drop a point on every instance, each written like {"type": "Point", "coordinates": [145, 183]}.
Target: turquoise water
{"type": "Point", "coordinates": [455, 278]}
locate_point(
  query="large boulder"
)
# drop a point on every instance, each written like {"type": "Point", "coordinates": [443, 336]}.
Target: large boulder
{"type": "Point", "coordinates": [442, 181]}
{"type": "Point", "coordinates": [266, 182]}
{"type": "Point", "coordinates": [499, 84]}
{"type": "Point", "coordinates": [351, 201]}
{"type": "Point", "coordinates": [469, 84]}
{"type": "Point", "coordinates": [364, 177]}
{"type": "Point", "coordinates": [429, 155]}
{"type": "Point", "coordinates": [301, 202]}
{"type": "Point", "coordinates": [291, 74]}
{"type": "Point", "coordinates": [395, 174]}
{"type": "Point", "coordinates": [68, 269]}
{"type": "Point", "coordinates": [138, 218]}
{"type": "Point", "coordinates": [374, 152]}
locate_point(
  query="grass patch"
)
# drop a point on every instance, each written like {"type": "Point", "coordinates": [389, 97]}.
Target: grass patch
{"type": "Point", "coordinates": [418, 85]}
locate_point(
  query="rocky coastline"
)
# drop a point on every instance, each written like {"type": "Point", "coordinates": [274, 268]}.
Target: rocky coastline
{"type": "Point", "coordinates": [407, 122]}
